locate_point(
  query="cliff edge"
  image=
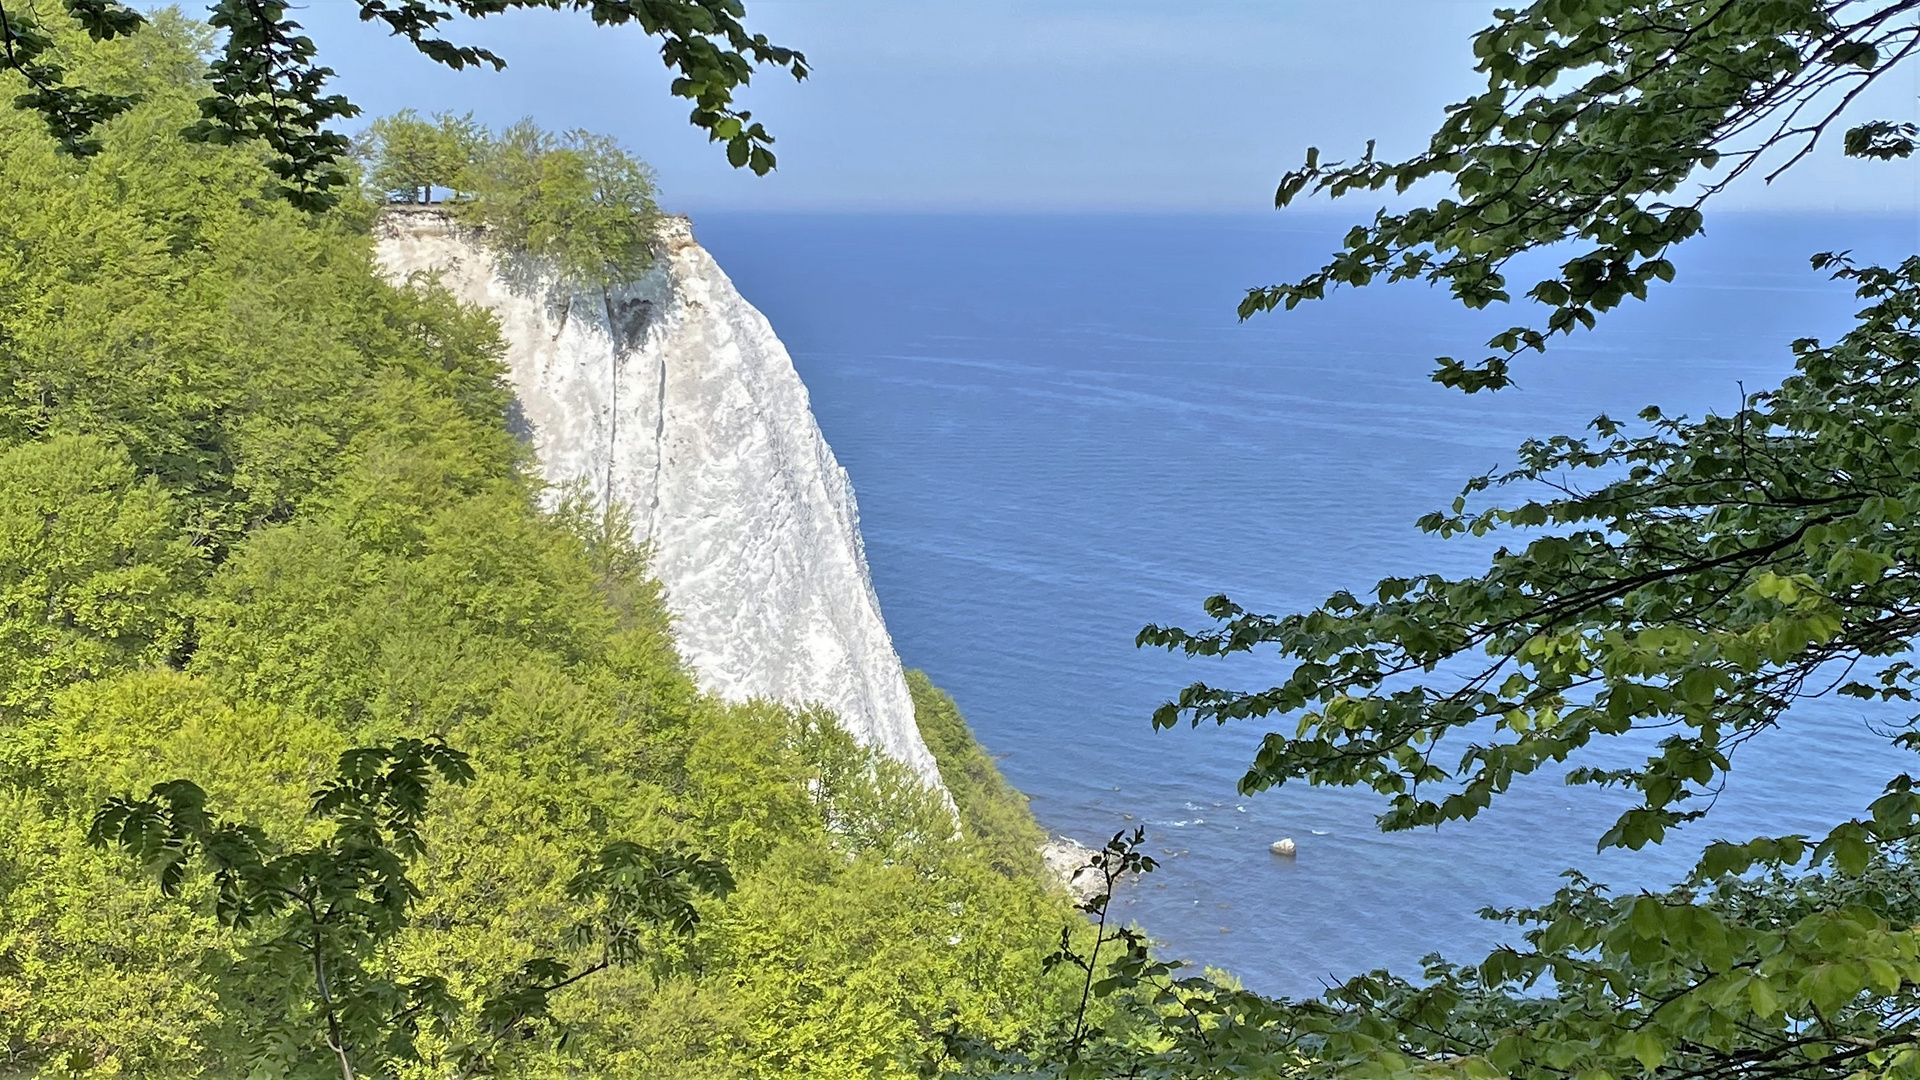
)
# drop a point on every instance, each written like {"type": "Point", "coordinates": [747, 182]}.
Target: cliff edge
{"type": "Point", "coordinates": [671, 396]}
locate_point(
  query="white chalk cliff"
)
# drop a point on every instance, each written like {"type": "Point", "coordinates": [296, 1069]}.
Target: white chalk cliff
{"type": "Point", "coordinates": [672, 396]}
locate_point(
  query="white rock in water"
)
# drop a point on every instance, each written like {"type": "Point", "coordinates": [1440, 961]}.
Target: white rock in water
{"type": "Point", "coordinates": [1282, 846]}
{"type": "Point", "coordinates": [1070, 863]}
{"type": "Point", "coordinates": [672, 396]}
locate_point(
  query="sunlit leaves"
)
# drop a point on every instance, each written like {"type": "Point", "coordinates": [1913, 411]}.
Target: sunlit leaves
{"type": "Point", "coordinates": [1720, 570]}
{"type": "Point", "coordinates": [635, 887]}
{"type": "Point", "coordinates": [27, 48]}
{"type": "Point", "coordinates": [328, 912]}
{"type": "Point", "coordinates": [407, 158]}
{"type": "Point", "coordinates": [1596, 118]}
{"type": "Point", "coordinates": [267, 86]}
{"type": "Point", "coordinates": [574, 200]}
{"type": "Point", "coordinates": [325, 911]}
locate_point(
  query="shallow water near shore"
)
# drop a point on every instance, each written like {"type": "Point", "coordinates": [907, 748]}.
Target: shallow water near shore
{"type": "Point", "coordinates": [1059, 432]}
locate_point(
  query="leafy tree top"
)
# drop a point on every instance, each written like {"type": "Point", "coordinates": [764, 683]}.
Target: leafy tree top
{"type": "Point", "coordinates": [408, 157]}
{"type": "Point", "coordinates": [575, 200]}
{"type": "Point", "coordinates": [1596, 116]}
{"type": "Point", "coordinates": [266, 84]}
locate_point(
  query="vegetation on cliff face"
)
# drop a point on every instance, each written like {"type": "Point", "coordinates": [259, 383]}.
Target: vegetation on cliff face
{"type": "Point", "coordinates": [256, 508]}
{"type": "Point", "coordinates": [992, 813]}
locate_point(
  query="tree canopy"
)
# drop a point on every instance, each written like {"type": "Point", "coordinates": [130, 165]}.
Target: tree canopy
{"type": "Point", "coordinates": [407, 158]}
{"type": "Point", "coordinates": [1596, 117]}
{"type": "Point", "coordinates": [573, 200]}
{"type": "Point", "coordinates": [266, 84]}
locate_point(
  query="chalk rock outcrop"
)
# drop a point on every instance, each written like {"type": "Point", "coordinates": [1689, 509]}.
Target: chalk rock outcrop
{"type": "Point", "coordinates": [1070, 862]}
{"type": "Point", "coordinates": [672, 397]}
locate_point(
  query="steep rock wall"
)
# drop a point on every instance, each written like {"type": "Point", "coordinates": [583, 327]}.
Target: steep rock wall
{"type": "Point", "coordinates": [672, 396]}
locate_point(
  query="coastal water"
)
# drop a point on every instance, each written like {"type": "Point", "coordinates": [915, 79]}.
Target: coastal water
{"type": "Point", "coordinates": [1059, 432]}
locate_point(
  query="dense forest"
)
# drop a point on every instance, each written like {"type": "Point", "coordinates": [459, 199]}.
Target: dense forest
{"type": "Point", "coordinates": [257, 508]}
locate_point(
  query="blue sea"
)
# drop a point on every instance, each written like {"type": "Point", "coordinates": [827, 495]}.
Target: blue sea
{"type": "Point", "coordinates": [1059, 432]}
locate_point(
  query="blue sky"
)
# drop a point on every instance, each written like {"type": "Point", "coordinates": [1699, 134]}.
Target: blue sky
{"type": "Point", "coordinates": [1042, 105]}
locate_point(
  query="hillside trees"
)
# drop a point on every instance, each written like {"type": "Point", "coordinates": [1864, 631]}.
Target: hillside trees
{"type": "Point", "coordinates": [315, 978]}
{"type": "Point", "coordinates": [266, 85]}
{"type": "Point", "coordinates": [258, 507]}
{"type": "Point", "coordinates": [1681, 583]}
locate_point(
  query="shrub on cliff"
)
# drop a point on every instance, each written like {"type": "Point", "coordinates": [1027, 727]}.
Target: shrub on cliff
{"type": "Point", "coordinates": [575, 200]}
{"type": "Point", "coordinates": [406, 158]}
{"type": "Point", "coordinates": [993, 813]}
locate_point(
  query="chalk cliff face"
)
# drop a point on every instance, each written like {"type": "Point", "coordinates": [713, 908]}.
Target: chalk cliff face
{"type": "Point", "coordinates": [672, 396]}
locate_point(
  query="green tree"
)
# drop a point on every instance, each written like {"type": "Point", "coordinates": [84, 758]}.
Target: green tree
{"type": "Point", "coordinates": [266, 85]}
{"type": "Point", "coordinates": [1710, 574]}
{"type": "Point", "coordinates": [319, 919]}
{"type": "Point", "coordinates": [1596, 116]}
{"type": "Point", "coordinates": [575, 200]}
{"type": "Point", "coordinates": [407, 157]}
{"type": "Point", "coordinates": [95, 576]}
{"type": "Point", "coordinates": [993, 813]}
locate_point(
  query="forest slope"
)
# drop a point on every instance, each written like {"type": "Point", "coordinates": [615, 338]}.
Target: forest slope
{"type": "Point", "coordinates": [258, 506]}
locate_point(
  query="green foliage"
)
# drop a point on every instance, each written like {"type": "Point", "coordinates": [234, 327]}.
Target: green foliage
{"type": "Point", "coordinates": [1711, 574]}
{"type": "Point", "coordinates": [575, 200]}
{"type": "Point", "coordinates": [70, 113]}
{"type": "Point", "coordinates": [232, 348]}
{"type": "Point", "coordinates": [992, 812]}
{"type": "Point", "coordinates": [1793, 974]}
{"type": "Point", "coordinates": [408, 157]}
{"type": "Point", "coordinates": [258, 507]}
{"type": "Point", "coordinates": [324, 912]}
{"type": "Point", "coordinates": [1719, 572]}
{"type": "Point", "coordinates": [1133, 1016]}
{"type": "Point", "coordinates": [95, 575]}
{"type": "Point", "coordinates": [1733, 566]}
{"type": "Point", "coordinates": [1595, 115]}
{"type": "Point", "coordinates": [1785, 974]}
{"type": "Point", "coordinates": [314, 996]}
{"type": "Point", "coordinates": [267, 86]}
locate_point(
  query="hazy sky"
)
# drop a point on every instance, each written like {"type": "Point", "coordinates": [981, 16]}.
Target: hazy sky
{"type": "Point", "coordinates": [1036, 105]}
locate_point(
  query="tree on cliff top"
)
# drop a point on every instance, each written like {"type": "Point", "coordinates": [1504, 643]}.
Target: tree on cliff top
{"type": "Point", "coordinates": [408, 157]}
{"type": "Point", "coordinates": [575, 199]}
{"type": "Point", "coordinates": [266, 85]}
